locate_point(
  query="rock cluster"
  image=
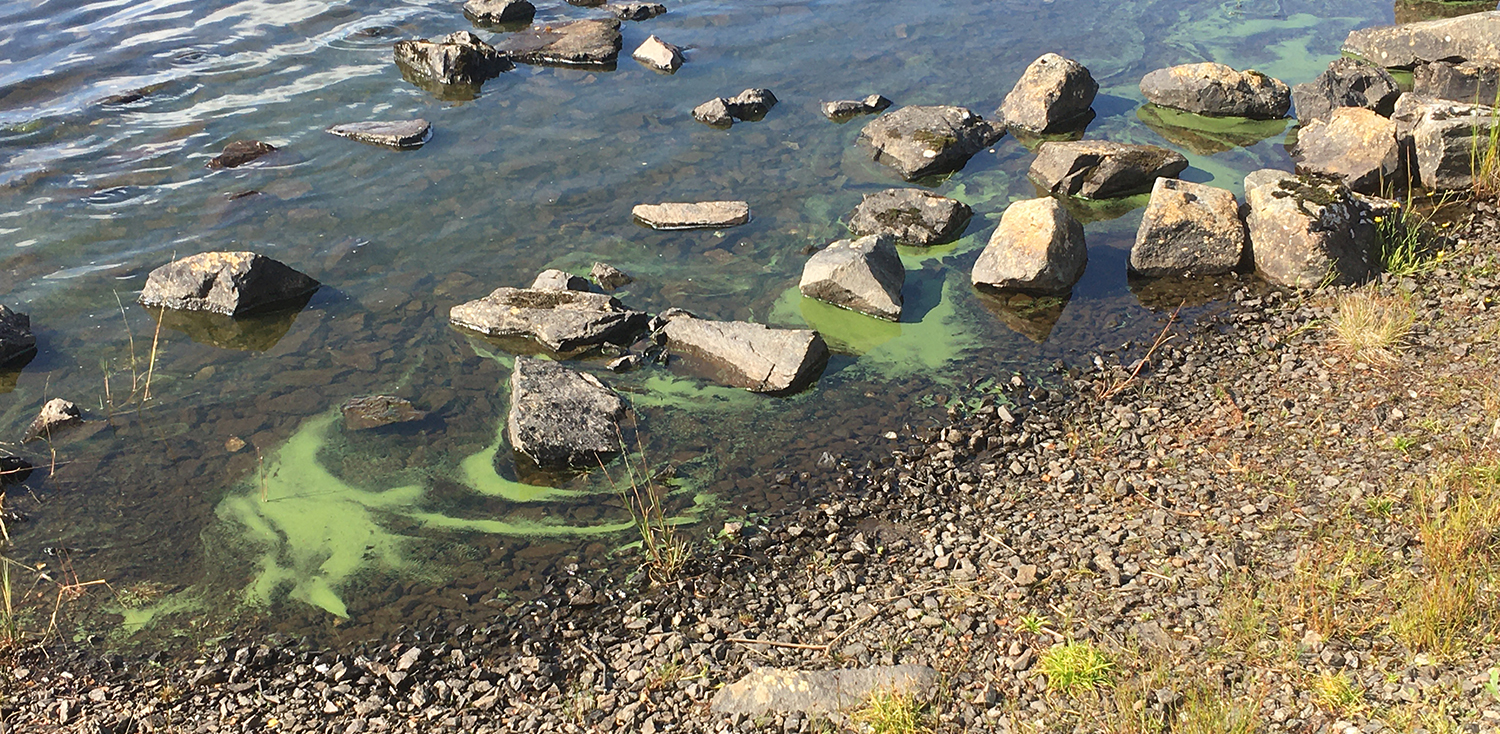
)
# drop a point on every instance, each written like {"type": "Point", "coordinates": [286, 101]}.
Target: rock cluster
{"type": "Point", "coordinates": [749, 105]}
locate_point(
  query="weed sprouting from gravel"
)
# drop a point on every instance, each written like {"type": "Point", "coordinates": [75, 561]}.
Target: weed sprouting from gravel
{"type": "Point", "coordinates": [1371, 326]}
{"type": "Point", "coordinates": [1336, 693]}
{"type": "Point", "coordinates": [1075, 666]}
{"type": "Point", "coordinates": [890, 712]}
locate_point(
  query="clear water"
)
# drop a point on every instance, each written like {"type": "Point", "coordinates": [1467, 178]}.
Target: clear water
{"type": "Point", "coordinates": [235, 499]}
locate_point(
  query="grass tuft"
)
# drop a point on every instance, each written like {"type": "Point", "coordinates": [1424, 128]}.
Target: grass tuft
{"type": "Point", "coordinates": [1370, 326]}
{"type": "Point", "coordinates": [890, 712]}
{"type": "Point", "coordinates": [1075, 666]}
{"type": "Point", "coordinates": [1336, 693]}
{"type": "Point", "coordinates": [666, 553]}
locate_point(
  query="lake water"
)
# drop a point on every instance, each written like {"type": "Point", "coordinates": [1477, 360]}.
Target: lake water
{"type": "Point", "coordinates": [235, 499]}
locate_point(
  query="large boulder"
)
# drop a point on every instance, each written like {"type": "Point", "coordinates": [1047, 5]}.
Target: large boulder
{"type": "Point", "coordinates": [593, 42]}
{"type": "Point", "coordinates": [820, 693]}
{"type": "Point", "coordinates": [494, 12]}
{"type": "Point", "coordinates": [459, 60]}
{"type": "Point", "coordinates": [561, 320]}
{"type": "Point", "coordinates": [1038, 248]}
{"type": "Point", "coordinates": [659, 55]}
{"type": "Point", "coordinates": [1188, 229]}
{"type": "Point", "coordinates": [1306, 233]}
{"type": "Point", "coordinates": [393, 134]}
{"type": "Point", "coordinates": [239, 152]}
{"type": "Point", "coordinates": [16, 340]}
{"type": "Point", "coordinates": [913, 216]}
{"type": "Point", "coordinates": [56, 415]}
{"type": "Point", "coordinates": [229, 283]}
{"type": "Point", "coordinates": [1354, 145]}
{"type": "Point", "coordinates": [1217, 90]}
{"type": "Point", "coordinates": [864, 275]}
{"type": "Point", "coordinates": [562, 418]}
{"type": "Point", "coordinates": [926, 140]}
{"type": "Point", "coordinates": [1474, 37]}
{"type": "Point", "coordinates": [1345, 83]}
{"type": "Point", "coordinates": [1450, 140]}
{"type": "Point", "coordinates": [1475, 82]}
{"type": "Point", "coordinates": [1054, 93]}
{"type": "Point", "coordinates": [751, 356]}
{"type": "Point", "coordinates": [1099, 169]}
{"type": "Point", "coordinates": [696, 215]}
{"type": "Point", "coordinates": [840, 110]}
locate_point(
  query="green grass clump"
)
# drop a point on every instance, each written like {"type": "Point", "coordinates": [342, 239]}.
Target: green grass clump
{"type": "Point", "coordinates": [1075, 666]}
{"type": "Point", "coordinates": [890, 712]}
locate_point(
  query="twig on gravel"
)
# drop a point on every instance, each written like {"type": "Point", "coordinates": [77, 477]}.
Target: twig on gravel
{"type": "Point", "coordinates": [1162, 338]}
{"type": "Point", "coordinates": [1160, 506]}
{"type": "Point", "coordinates": [774, 643]}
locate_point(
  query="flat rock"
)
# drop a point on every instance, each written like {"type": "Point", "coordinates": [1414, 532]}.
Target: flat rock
{"type": "Point", "coordinates": [1474, 82]}
{"type": "Point", "coordinates": [56, 415]}
{"type": "Point", "coordinates": [460, 61]}
{"type": "Point", "coordinates": [913, 216]}
{"type": "Point", "coordinates": [697, 215]}
{"type": "Point", "coordinates": [229, 283]}
{"type": "Point", "coordinates": [1099, 169]}
{"type": "Point", "coordinates": [1474, 37]}
{"type": "Point", "coordinates": [1038, 248]}
{"type": "Point", "coordinates": [843, 109]}
{"type": "Point", "coordinates": [1188, 229]}
{"type": "Point", "coordinates": [16, 340]}
{"type": "Point", "coordinates": [562, 418]}
{"type": "Point", "coordinates": [1355, 145]}
{"type": "Point", "coordinates": [1306, 233]}
{"type": "Point", "coordinates": [609, 277]}
{"type": "Point", "coordinates": [494, 12]}
{"type": "Point", "coordinates": [778, 691]}
{"type": "Point", "coordinates": [240, 152]}
{"type": "Point", "coordinates": [1217, 90]}
{"type": "Point", "coordinates": [864, 275]}
{"type": "Point", "coordinates": [553, 279]}
{"type": "Point", "coordinates": [636, 11]}
{"type": "Point", "coordinates": [922, 140]}
{"type": "Point", "coordinates": [561, 320]}
{"type": "Point", "coordinates": [751, 356]}
{"type": "Point", "coordinates": [660, 55]}
{"type": "Point", "coordinates": [1054, 93]}
{"type": "Point", "coordinates": [1444, 135]}
{"type": "Point", "coordinates": [594, 42]}
{"type": "Point", "coordinates": [374, 411]}
{"type": "Point", "coordinates": [392, 134]}
{"type": "Point", "coordinates": [1345, 83]}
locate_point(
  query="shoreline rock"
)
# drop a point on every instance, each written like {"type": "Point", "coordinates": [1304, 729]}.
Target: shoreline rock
{"type": "Point", "coordinates": [240, 152]}
{"type": "Point", "coordinates": [376, 411]}
{"type": "Point", "coordinates": [1037, 248]}
{"type": "Point", "coordinates": [1306, 233]}
{"type": "Point", "coordinates": [692, 215]}
{"type": "Point", "coordinates": [563, 321]}
{"type": "Point", "coordinates": [1345, 83]}
{"type": "Point", "coordinates": [914, 217]}
{"type": "Point", "coordinates": [593, 42]}
{"type": "Point", "coordinates": [921, 141]}
{"type": "Point", "coordinates": [561, 418]}
{"type": "Point", "coordinates": [1217, 90]}
{"type": "Point", "coordinates": [1099, 169]}
{"type": "Point", "coordinates": [1474, 37]}
{"type": "Point", "coordinates": [843, 109]}
{"type": "Point", "coordinates": [1054, 93]}
{"type": "Point", "coordinates": [56, 415]}
{"type": "Point", "coordinates": [228, 283]}
{"type": "Point", "coordinates": [1188, 229]}
{"type": "Point", "coordinates": [659, 55]}
{"type": "Point", "coordinates": [751, 356]}
{"type": "Point", "coordinates": [495, 12]}
{"type": "Point", "coordinates": [453, 65]}
{"type": "Point", "coordinates": [863, 275]}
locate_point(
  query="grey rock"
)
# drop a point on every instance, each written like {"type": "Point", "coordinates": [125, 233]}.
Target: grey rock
{"type": "Point", "coordinates": [864, 275]}
{"type": "Point", "coordinates": [1217, 90]}
{"type": "Point", "coordinates": [16, 339]}
{"type": "Point", "coordinates": [240, 152]}
{"type": "Point", "coordinates": [770, 690]}
{"type": "Point", "coordinates": [1054, 93]}
{"type": "Point", "coordinates": [55, 415]}
{"type": "Point", "coordinates": [553, 279]}
{"type": "Point", "coordinates": [636, 11]}
{"type": "Point", "coordinates": [1188, 229]}
{"type": "Point", "coordinates": [229, 283]}
{"type": "Point", "coordinates": [374, 411]}
{"type": "Point", "coordinates": [560, 417]}
{"type": "Point", "coordinates": [1099, 169]}
{"type": "Point", "coordinates": [913, 216]}
{"type": "Point", "coordinates": [1445, 136]}
{"type": "Point", "coordinates": [922, 141]}
{"type": "Point", "coordinates": [714, 112]}
{"type": "Point", "coordinates": [698, 215]}
{"type": "Point", "coordinates": [659, 55]}
{"type": "Point", "coordinates": [499, 11]}
{"type": "Point", "coordinates": [609, 277]}
{"type": "Point", "coordinates": [594, 42]}
{"type": "Point", "coordinates": [1474, 37]}
{"type": "Point", "coordinates": [1037, 248]}
{"type": "Point", "coordinates": [843, 109]}
{"type": "Point", "coordinates": [1263, 176]}
{"type": "Point", "coordinates": [1475, 82]}
{"type": "Point", "coordinates": [459, 59]}
{"type": "Point", "coordinates": [393, 134]}
{"type": "Point", "coordinates": [563, 321]}
{"type": "Point", "coordinates": [1345, 83]}
{"type": "Point", "coordinates": [751, 104]}
{"type": "Point", "coordinates": [1306, 233]}
{"type": "Point", "coordinates": [1355, 145]}
{"type": "Point", "coordinates": [751, 356]}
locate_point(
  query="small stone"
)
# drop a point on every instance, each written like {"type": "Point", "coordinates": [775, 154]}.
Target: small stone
{"type": "Point", "coordinates": [55, 415]}
{"type": "Point", "coordinates": [714, 112]}
{"type": "Point", "coordinates": [662, 56]}
{"type": "Point", "coordinates": [396, 134]}
{"type": "Point", "coordinates": [229, 283]}
{"type": "Point", "coordinates": [553, 279]}
{"type": "Point", "coordinates": [17, 342]}
{"type": "Point", "coordinates": [699, 215]}
{"type": "Point", "coordinates": [240, 152]}
{"type": "Point", "coordinates": [913, 216]}
{"type": "Point", "coordinates": [843, 109]}
{"type": "Point", "coordinates": [609, 277]}
{"type": "Point", "coordinates": [921, 141]}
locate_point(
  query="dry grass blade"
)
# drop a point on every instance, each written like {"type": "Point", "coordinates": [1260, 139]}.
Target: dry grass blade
{"type": "Point", "coordinates": [1105, 393]}
{"type": "Point", "coordinates": [1370, 326]}
{"type": "Point", "coordinates": [666, 553]}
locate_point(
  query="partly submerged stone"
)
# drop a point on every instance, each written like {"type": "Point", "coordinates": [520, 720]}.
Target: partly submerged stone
{"type": "Point", "coordinates": [714, 112]}
{"type": "Point", "coordinates": [1306, 233]}
{"type": "Point", "coordinates": [659, 55]}
{"type": "Point", "coordinates": [459, 61]}
{"type": "Point", "coordinates": [843, 109]}
{"type": "Point", "coordinates": [1188, 229]}
{"type": "Point", "coordinates": [1054, 93]}
{"type": "Point", "coordinates": [751, 104]}
{"type": "Point", "coordinates": [240, 152]}
{"type": "Point", "coordinates": [553, 279]}
{"type": "Point", "coordinates": [1474, 37]}
{"type": "Point", "coordinates": [1217, 90]}
{"type": "Point", "coordinates": [374, 411]}
{"type": "Point", "coordinates": [561, 320]}
{"type": "Point", "coordinates": [1100, 169]}
{"type": "Point", "coordinates": [636, 11]}
{"type": "Point", "coordinates": [912, 216]}
{"type": "Point", "coordinates": [1355, 145]}
{"type": "Point", "coordinates": [751, 356]}
{"type": "Point", "coordinates": [1037, 248]}
{"type": "Point", "coordinates": [594, 42]}
{"type": "Point", "coordinates": [56, 415]}
{"type": "Point", "coordinates": [775, 691]}
{"type": "Point", "coordinates": [494, 12]}
{"type": "Point", "coordinates": [922, 141]}
{"type": "Point", "coordinates": [864, 275]}
{"type": "Point", "coordinates": [1345, 83]}
{"type": "Point", "coordinates": [14, 469]}
{"type": "Point", "coordinates": [609, 277]}
{"type": "Point", "coordinates": [16, 339]}
{"type": "Point", "coordinates": [696, 215]}
{"type": "Point", "coordinates": [229, 283]}
{"type": "Point", "coordinates": [392, 134]}
{"type": "Point", "coordinates": [1449, 139]}
{"type": "Point", "coordinates": [562, 418]}
{"type": "Point", "coordinates": [1475, 82]}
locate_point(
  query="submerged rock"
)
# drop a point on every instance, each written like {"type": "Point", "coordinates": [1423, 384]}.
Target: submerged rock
{"type": "Point", "coordinates": [562, 418]}
{"type": "Point", "coordinates": [491, 12]}
{"type": "Point", "coordinates": [16, 339]}
{"type": "Point", "coordinates": [1475, 82]}
{"type": "Point", "coordinates": [393, 134]}
{"type": "Point", "coordinates": [1038, 248]}
{"type": "Point", "coordinates": [922, 141]}
{"type": "Point", "coordinates": [579, 43]}
{"type": "Point", "coordinates": [240, 152]}
{"type": "Point", "coordinates": [1354, 145]}
{"type": "Point", "coordinates": [1306, 233]}
{"type": "Point", "coordinates": [636, 11]}
{"type": "Point", "coordinates": [864, 275]}
{"type": "Point", "coordinates": [912, 216]}
{"type": "Point", "coordinates": [563, 321]}
{"type": "Point", "coordinates": [229, 283]}
{"type": "Point", "coordinates": [458, 60]}
{"type": "Point", "coordinates": [609, 277]}
{"type": "Point", "coordinates": [698, 215]}
{"type": "Point", "coordinates": [374, 411]}
{"type": "Point", "coordinates": [1473, 37]}
{"type": "Point", "coordinates": [13, 469]}
{"type": "Point", "coordinates": [843, 109]}
{"type": "Point", "coordinates": [1447, 137]}
{"type": "Point", "coordinates": [751, 356]}
{"type": "Point", "coordinates": [553, 279]}
{"type": "Point", "coordinates": [1188, 229]}
{"type": "Point", "coordinates": [1345, 83]}
{"type": "Point", "coordinates": [1099, 169]}
{"type": "Point", "coordinates": [769, 690]}
{"type": "Point", "coordinates": [1054, 93]}
{"type": "Point", "coordinates": [1217, 90]}
{"type": "Point", "coordinates": [55, 415]}
{"type": "Point", "coordinates": [659, 55]}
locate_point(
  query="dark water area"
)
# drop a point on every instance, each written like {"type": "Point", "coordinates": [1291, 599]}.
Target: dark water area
{"type": "Point", "coordinates": [235, 499]}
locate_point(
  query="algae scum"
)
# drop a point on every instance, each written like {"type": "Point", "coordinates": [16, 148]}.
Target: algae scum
{"type": "Point", "coordinates": [235, 497]}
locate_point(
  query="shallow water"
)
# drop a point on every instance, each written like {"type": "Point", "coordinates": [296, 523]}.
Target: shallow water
{"type": "Point", "coordinates": [235, 499]}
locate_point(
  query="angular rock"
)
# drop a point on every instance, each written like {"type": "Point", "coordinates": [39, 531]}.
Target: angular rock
{"type": "Point", "coordinates": [563, 321]}
{"type": "Point", "coordinates": [1355, 145]}
{"type": "Point", "coordinates": [456, 60]}
{"type": "Point", "coordinates": [609, 277]}
{"type": "Point", "coordinates": [1099, 169]}
{"type": "Point", "coordinates": [1474, 82]}
{"type": "Point", "coordinates": [1038, 248]}
{"type": "Point", "coordinates": [1449, 139]}
{"type": "Point", "coordinates": [636, 11]}
{"type": "Point", "coordinates": [913, 216]}
{"type": "Point", "coordinates": [393, 134]}
{"type": "Point", "coordinates": [819, 693]}
{"type": "Point", "coordinates": [229, 283]}
{"type": "Point", "coordinates": [1306, 233]}
{"type": "Point", "coordinates": [864, 275]}
{"type": "Point", "coordinates": [660, 55]}
{"type": "Point", "coordinates": [1345, 83]}
{"type": "Point", "coordinates": [843, 109]}
{"type": "Point", "coordinates": [553, 279]}
{"type": "Point", "coordinates": [751, 104]}
{"type": "Point", "coordinates": [579, 43]}
{"type": "Point", "coordinates": [1474, 37]}
{"type": "Point", "coordinates": [560, 417]}
{"type": "Point", "coordinates": [240, 152]}
{"type": "Point", "coordinates": [922, 141]}
{"type": "Point", "coordinates": [698, 215]}
{"type": "Point", "coordinates": [1054, 93]}
{"type": "Point", "coordinates": [1217, 90]}
{"type": "Point", "coordinates": [54, 416]}
{"type": "Point", "coordinates": [751, 356]}
{"type": "Point", "coordinates": [16, 340]}
{"type": "Point", "coordinates": [374, 411]}
{"type": "Point", "coordinates": [1188, 229]}
{"type": "Point", "coordinates": [493, 12]}
{"type": "Point", "coordinates": [714, 112]}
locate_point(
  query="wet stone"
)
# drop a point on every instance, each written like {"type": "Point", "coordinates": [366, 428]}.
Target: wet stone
{"type": "Point", "coordinates": [1099, 169]}
{"type": "Point", "coordinates": [561, 320]}
{"type": "Point", "coordinates": [698, 215]}
{"type": "Point", "coordinates": [609, 277]}
{"type": "Point", "coordinates": [920, 141]}
{"type": "Point", "coordinates": [458, 60]}
{"type": "Point", "coordinates": [1054, 93]}
{"type": "Point", "coordinates": [499, 11]}
{"type": "Point", "coordinates": [56, 415]}
{"type": "Point", "coordinates": [747, 355]}
{"type": "Point", "coordinates": [1037, 248]}
{"type": "Point", "coordinates": [374, 411]}
{"type": "Point", "coordinates": [714, 112]}
{"type": "Point", "coordinates": [240, 152]}
{"type": "Point", "coordinates": [560, 417]}
{"type": "Point", "coordinates": [660, 55]}
{"type": "Point", "coordinates": [579, 43]}
{"type": "Point", "coordinates": [392, 134]}
{"type": "Point", "coordinates": [636, 11]}
{"type": "Point", "coordinates": [913, 216]}
{"type": "Point", "coordinates": [229, 283]}
{"type": "Point", "coordinates": [16, 340]}
{"type": "Point", "coordinates": [844, 109]}
{"type": "Point", "coordinates": [864, 275]}
{"type": "Point", "coordinates": [1217, 90]}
